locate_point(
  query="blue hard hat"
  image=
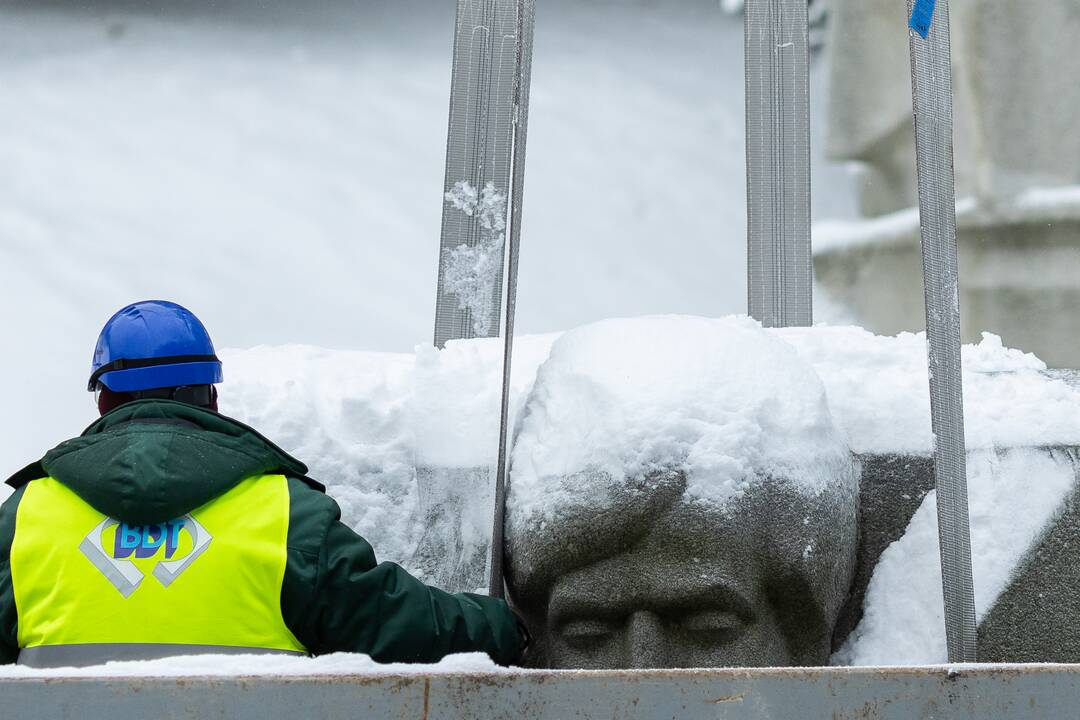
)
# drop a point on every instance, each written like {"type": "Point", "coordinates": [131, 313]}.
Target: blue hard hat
{"type": "Point", "coordinates": [154, 344]}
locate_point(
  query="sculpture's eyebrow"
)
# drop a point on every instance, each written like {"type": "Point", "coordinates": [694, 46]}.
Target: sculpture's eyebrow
{"type": "Point", "coordinates": [706, 594]}
{"type": "Point", "coordinates": [596, 597]}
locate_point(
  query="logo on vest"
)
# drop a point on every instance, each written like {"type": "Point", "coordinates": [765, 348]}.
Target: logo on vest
{"type": "Point", "coordinates": [113, 547]}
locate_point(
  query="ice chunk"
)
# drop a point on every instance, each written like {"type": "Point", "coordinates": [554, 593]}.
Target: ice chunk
{"type": "Point", "coordinates": [472, 271]}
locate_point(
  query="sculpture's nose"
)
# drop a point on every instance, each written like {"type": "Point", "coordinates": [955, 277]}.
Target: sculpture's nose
{"type": "Point", "coordinates": [645, 640]}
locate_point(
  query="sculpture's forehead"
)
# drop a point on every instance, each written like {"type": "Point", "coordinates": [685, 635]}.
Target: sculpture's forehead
{"type": "Point", "coordinates": [636, 548]}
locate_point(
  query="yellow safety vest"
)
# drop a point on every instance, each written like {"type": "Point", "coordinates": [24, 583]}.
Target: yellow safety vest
{"type": "Point", "coordinates": [89, 588]}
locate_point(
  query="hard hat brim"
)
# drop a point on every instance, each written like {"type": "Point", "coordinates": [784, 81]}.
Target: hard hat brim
{"type": "Point", "coordinates": [163, 376]}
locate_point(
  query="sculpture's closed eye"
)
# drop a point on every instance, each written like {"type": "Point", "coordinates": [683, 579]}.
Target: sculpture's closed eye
{"type": "Point", "coordinates": [589, 634]}
{"type": "Point", "coordinates": [710, 626]}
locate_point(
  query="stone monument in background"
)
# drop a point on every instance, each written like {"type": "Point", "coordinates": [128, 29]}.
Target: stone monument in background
{"type": "Point", "coordinates": [1017, 155]}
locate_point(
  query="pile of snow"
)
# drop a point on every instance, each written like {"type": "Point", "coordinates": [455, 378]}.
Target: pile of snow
{"type": "Point", "coordinates": [723, 401]}
{"type": "Point", "coordinates": [1012, 496]}
{"type": "Point", "coordinates": [879, 391]}
{"type": "Point", "coordinates": [364, 421]}
{"type": "Point", "coordinates": [345, 414]}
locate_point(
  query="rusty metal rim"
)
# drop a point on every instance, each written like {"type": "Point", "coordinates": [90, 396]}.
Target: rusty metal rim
{"type": "Point", "coordinates": [541, 676]}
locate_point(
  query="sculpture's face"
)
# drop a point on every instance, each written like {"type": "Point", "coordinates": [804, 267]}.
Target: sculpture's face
{"type": "Point", "coordinates": [654, 580]}
{"type": "Point", "coordinates": [671, 504]}
{"type": "Point", "coordinates": [689, 594]}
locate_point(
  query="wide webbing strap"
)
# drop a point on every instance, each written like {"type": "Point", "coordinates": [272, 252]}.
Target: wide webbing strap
{"type": "Point", "coordinates": [526, 10]}
{"type": "Point", "coordinates": [931, 85]}
{"type": "Point", "coordinates": [478, 149]}
{"type": "Point", "coordinates": [780, 274]}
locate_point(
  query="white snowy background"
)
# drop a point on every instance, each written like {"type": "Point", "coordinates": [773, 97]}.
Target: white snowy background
{"type": "Point", "coordinates": [278, 167]}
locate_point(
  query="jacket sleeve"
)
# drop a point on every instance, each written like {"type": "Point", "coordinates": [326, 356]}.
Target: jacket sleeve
{"type": "Point", "coordinates": [337, 598]}
{"type": "Point", "coordinates": [9, 620]}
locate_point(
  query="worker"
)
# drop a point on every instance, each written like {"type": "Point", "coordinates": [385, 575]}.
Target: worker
{"type": "Point", "coordinates": [167, 528]}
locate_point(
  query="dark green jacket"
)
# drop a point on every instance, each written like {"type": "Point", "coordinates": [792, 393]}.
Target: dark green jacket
{"type": "Point", "coordinates": [153, 460]}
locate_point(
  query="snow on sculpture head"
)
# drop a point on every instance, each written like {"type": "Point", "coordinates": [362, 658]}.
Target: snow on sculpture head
{"type": "Point", "coordinates": [688, 469]}
{"type": "Point", "coordinates": [720, 400]}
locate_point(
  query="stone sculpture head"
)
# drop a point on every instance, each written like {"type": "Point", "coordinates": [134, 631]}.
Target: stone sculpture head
{"type": "Point", "coordinates": [679, 498]}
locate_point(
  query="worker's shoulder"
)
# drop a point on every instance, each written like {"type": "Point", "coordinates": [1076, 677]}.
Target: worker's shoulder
{"type": "Point", "coordinates": [33, 471]}
{"type": "Point", "coordinates": [10, 505]}
{"type": "Point", "coordinates": [9, 509]}
{"type": "Point", "coordinates": [311, 512]}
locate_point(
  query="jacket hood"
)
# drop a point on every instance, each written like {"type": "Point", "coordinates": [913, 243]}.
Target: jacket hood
{"type": "Point", "coordinates": [154, 460]}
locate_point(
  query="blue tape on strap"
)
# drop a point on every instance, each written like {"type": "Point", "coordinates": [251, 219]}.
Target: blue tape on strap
{"type": "Point", "coordinates": [922, 16]}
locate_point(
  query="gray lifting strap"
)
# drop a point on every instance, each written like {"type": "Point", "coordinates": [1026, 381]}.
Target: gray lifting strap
{"type": "Point", "coordinates": [780, 274]}
{"type": "Point", "coordinates": [931, 88]}
{"type": "Point", "coordinates": [526, 11]}
{"type": "Point", "coordinates": [478, 147]}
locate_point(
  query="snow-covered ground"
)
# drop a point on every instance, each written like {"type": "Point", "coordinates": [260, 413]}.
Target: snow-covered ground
{"type": "Point", "coordinates": [278, 167]}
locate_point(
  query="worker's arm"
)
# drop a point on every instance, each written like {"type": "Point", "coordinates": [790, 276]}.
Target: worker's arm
{"type": "Point", "coordinates": [337, 598]}
{"type": "Point", "coordinates": [9, 620]}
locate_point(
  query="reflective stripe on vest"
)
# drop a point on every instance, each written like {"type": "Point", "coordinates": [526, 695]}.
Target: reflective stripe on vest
{"type": "Point", "coordinates": [210, 578]}
{"type": "Point", "coordinates": [55, 656]}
